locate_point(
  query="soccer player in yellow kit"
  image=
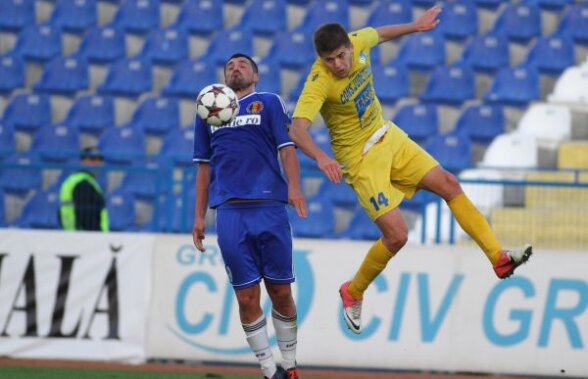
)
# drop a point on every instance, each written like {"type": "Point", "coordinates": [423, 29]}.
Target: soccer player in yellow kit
{"type": "Point", "coordinates": [380, 162]}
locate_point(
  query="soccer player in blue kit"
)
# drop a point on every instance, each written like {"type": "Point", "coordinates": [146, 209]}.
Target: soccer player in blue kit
{"type": "Point", "coordinates": [239, 175]}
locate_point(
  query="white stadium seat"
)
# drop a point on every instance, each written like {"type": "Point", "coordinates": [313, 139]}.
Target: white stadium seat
{"type": "Point", "coordinates": [547, 122]}
{"type": "Point", "coordinates": [572, 86]}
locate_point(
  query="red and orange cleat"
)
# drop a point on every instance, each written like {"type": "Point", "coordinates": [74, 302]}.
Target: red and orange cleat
{"type": "Point", "coordinates": [351, 309]}
{"type": "Point", "coordinates": [511, 259]}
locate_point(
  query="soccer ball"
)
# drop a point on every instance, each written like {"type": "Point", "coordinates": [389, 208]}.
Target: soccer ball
{"type": "Point", "coordinates": [217, 104]}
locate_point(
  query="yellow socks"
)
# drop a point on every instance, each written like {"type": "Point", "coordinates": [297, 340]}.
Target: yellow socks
{"type": "Point", "coordinates": [374, 262]}
{"type": "Point", "coordinates": [475, 224]}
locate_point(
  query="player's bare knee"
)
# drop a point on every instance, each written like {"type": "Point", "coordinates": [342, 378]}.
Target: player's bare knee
{"type": "Point", "coordinates": [247, 300]}
{"type": "Point", "coordinates": [396, 241]}
{"type": "Point", "coordinates": [451, 186]}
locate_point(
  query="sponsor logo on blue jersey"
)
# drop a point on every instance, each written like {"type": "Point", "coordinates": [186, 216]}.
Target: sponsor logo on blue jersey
{"type": "Point", "coordinates": [253, 119]}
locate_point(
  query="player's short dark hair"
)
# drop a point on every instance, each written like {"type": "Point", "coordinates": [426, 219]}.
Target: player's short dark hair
{"type": "Point", "coordinates": [91, 152]}
{"type": "Point", "coordinates": [329, 37]}
{"type": "Point", "coordinates": [241, 55]}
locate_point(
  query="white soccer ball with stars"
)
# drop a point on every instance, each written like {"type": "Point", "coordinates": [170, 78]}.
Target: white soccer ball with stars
{"type": "Point", "coordinates": [217, 104]}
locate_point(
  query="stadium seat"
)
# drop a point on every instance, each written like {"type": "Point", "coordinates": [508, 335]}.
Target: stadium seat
{"type": "Point", "coordinates": [12, 73]}
{"type": "Point", "coordinates": [484, 196]}
{"type": "Point", "coordinates": [103, 44]}
{"type": "Point", "coordinates": [422, 51]}
{"type": "Point", "coordinates": [551, 5]}
{"type": "Point", "coordinates": [122, 144]}
{"type": "Point", "coordinates": [320, 222]}
{"type": "Point", "coordinates": [574, 22]}
{"type": "Point", "coordinates": [572, 86]}
{"type": "Point", "coordinates": [2, 209]}
{"type": "Point", "coordinates": [91, 114]}
{"type": "Point", "coordinates": [486, 53]}
{"type": "Point", "coordinates": [419, 121]}
{"type": "Point", "coordinates": [137, 16]}
{"type": "Point", "coordinates": [147, 179]}
{"type": "Point", "coordinates": [183, 212]}
{"type": "Point", "coordinates": [75, 16]}
{"type": "Point", "coordinates": [489, 4]}
{"type": "Point", "coordinates": [121, 210]}
{"type": "Point", "coordinates": [157, 115]}
{"type": "Point", "coordinates": [178, 146]}
{"type": "Point", "coordinates": [265, 17]}
{"type": "Point", "coordinates": [452, 150]}
{"type": "Point", "coordinates": [519, 22]}
{"type": "Point", "coordinates": [552, 54]}
{"type": "Point", "coordinates": [547, 122]}
{"type": "Point", "coordinates": [39, 43]}
{"type": "Point", "coordinates": [189, 77]}
{"type": "Point", "coordinates": [321, 12]}
{"type": "Point", "coordinates": [514, 86]}
{"type": "Point", "coordinates": [56, 143]}
{"type": "Point", "coordinates": [7, 140]}
{"type": "Point", "coordinates": [270, 79]}
{"type": "Point", "coordinates": [41, 211]}
{"type": "Point", "coordinates": [16, 14]}
{"type": "Point", "coordinates": [127, 77]}
{"type": "Point", "coordinates": [391, 82]}
{"type": "Point", "coordinates": [388, 12]}
{"type": "Point", "coordinates": [424, 3]}
{"type": "Point", "coordinates": [512, 150]}
{"type": "Point", "coordinates": [293, 50]}
{"type": "Point", "coordinates": [64, 76]}
{"type": "Point", "coordinates": [226, 42]}
{"type": "Point", "coordinates": [165, 46]}
{"type": "Point", "coordinates": [418, 202]}
{"type": "Point", "coordinates": [297, 90]}
{"type": "Point", "coordinates": [450, 85]}
{"type": "Point", "coordinates": [481, 122]}
{"type": "Point", "coordinates": [22, 176]}
{"type": "Point", "coordinates": [459, 19]}
{"type": "Point", "coordinates": [361, 227]}
{"type": "Point", "coordinates": [340, 195]}
{"type": "Point", "coordinates": [201, 17]}
{"type": "Point", "coordinates": [28, 111]}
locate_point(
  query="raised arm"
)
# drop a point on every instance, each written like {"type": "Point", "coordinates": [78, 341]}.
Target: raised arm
{"type": "Point", "coordinates": [424, 23]}
{"type": "Point", "coordinates": [299, 134]}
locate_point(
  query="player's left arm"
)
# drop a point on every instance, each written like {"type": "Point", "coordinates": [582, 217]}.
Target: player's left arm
{"type": "Point", "coordinates": [426, 22]}
{"type": "Point", "coordinates": [292, 171]}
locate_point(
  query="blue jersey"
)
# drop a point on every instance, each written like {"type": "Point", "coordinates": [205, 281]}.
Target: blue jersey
{"type": "Point", "coordinates": [243, 155]}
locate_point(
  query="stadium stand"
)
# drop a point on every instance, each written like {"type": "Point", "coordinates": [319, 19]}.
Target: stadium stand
{"type": "Point", "coordinates": [12, 73]}
{"type": "Point", "coordinates": [551, 54]}
{"type": "Point", "coordinates": [293, 50]}
{"type": "Point", "coordinates": [459, 20]}
{"type": "Point", "coordinates": [128, 78]}
{"type": "Point", "coordinates": [419, 121]}
{"type": "Point", "coordinates": [137, 16]}
{"type": "Point", "coordinates": [269, 76]}
{"type": "Point", "coordinates": [453, 151]}
{"type": "Point", "coordinates": [178, 146]}
{"type": "Point", "coordinates": [320, 12]}
{"type": "Point", "coordinates": [422, 51]}
{"type": "Point", "coordinates": [265, 17]}
{"type": "Point", "coordinates": [156, 115]}
{"type": "Point", "coordinates": [320, 222]}
{"type": "Point", "coordinates": [361, 227]}
{"type": "Point", "coordinates": [511, 150]}
{"type": "Point", "coordinates": [39, 42]}
{"type": "Point", "coordinates": [574, 22]}
{"type": "Point", "coordinates": [28, 111]}
{"type": "Point", "coordinates": [64, 76]}
{"type": "Point", "coordinates": [450, 85]}
{"type": "Point", "coordinates": [486, 53]}
{"type": "Point", "coordinates": [515, 86]}
{"type": "Point", "coordinates": [481, 122]}
{"type": "Point", "coordinates": [572, 86]}
{"type": "Point", "coordinates": [189, 77]}
{"type": "Point", "coordinates": [41, 211]}
{"type": "Point", "coordinates": [391, 82]}
{"type": "Point", "coordinates": [201, 17]}
{"type": "Point", "coordinates": [75, 16]}
{"type": "Point", "coordinates": [103, 44]}
{"type": "Point", "coordinates": [121, 210]}
{"type": "Point", "coordinates": [225, 42]}
{"type": "Point", "coordinates": [143, 184]}
{"type": "Point", "coordinates": [56, 143]}
{"type": "Point", "coordinates": [91, 114]}
{"type": "Point", "coordinates": [390, 12]}
{"type": "Point", "coordinates": [519, 22]}
{"type": "Point", "coordinates": [18, 178]}
{"type": "Point", "coordinates": [122, 144]}
{"type": "Point", "coordinates": [165, 46]}
{"type": "Point", "coordinates": [7, 140]}
{"type": "Point", "coordinates": [16, 14]}
{"type": "Point", "coordinates": [547, 122]}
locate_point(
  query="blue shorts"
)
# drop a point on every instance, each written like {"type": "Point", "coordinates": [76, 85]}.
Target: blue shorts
{"type": "Point", "coordinates": [255, 240]}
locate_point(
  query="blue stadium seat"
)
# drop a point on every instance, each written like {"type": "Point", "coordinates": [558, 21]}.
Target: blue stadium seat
{"type": "Point", "coordinates": [7, 140]}
{"type": "Point", "coordinates": [16, 14]}
{"type": "Point", "coordinates": [270, 79]}
{"type": "Point", "coordinates": [121, 210]}
{"type": "Point", "coordinates": [41, 211]}
{"type": "Point", "coordinates": [178, 146]}
{"type": "Point", "coordinates": [418, 202]}
{"type": "Point", "coordinates": [422, 51]}
{"type": "Point", "coordinates": [146, 185]}
{"type": "Point", "coordinates": [388, 12]}
{"type": "Point", "coordinates": [122, 144]}
{"type": "Point", "coordinates": [64, 76]}
{"type": "Point", "coordinates": [103, 44]}
{"type": "Point", "coordinates": [424, 3]}
{"type": "Point", "coordinates": [2, 209]}
{"type": "Point", "coordinates": [552, 54]}
{"type": "Point", "coordinates": [157, 115]}
{"type": "Point", "coordinates": [574, 22]}
{"type": "Point", "coordinates": [56, 143]}
{"type": "Point", "coordinates": [297, 90]}
{"type": "Point", "coordinates": [28, 111]}
{"type": "Point", "coordinates": [391, 82]}
{"type": "Point", "coordinates": [137, 16]}
{"type": "Point", "coordinates": [75, 16]}
{"type": "Point", "coordinates": [91, 114]}
{"type": "Point", "coordinates": [450, 85]}
{"type": "Point", "coordinates": [419, 121]}
{"type": "Point", "coordinates": [361, 227]}
{"type": "Point", "coordinates": [201, 17]}
{"type": "Point", "coordinates": [519, 22]}
{"type": "Point", "coordinates": [12, 73]}
{"type": "Point", "coordinates": [20, 177]}
{"type": "Point", "coordinates": [39, 43]}
{"type": "Point", "coordinates": [265, 17]}
{"type": "Point", "coordinates": [189, 77]}
{"type": "Point", "coordinates": [127, 77]}
{"type": "Point", "coordinates": [459, 19]}
{"type": "Point", "coordinates": [482, 122]}
{"type": "Point", "coordinates": [293, 50]}
{"type": "Point", "coordinates": [298, 2]}
{"type": "Point", "coordinates": [453, 151]}
{"type": "Point", "coordinates": [183, 214]}
{"type": "Point", "coordinates": [227, 42]}
{"type": "Point", "coordinates": [321, 12]}
{"type": "Point", "coordinates": [340, 195]}
{"type": "Point", "coordinates": [320, 222]}
{"type": "Point", "coordinates": [489, 4]}
{"type": "Point", "coordinates": [360, 3]}
{"type": "Point", "coordinates": [515, 86]}
{"type": "Point", "coordinates": [552, 5]}
{"type": "Point", "coordinates": [165, 46]}
{"type": "Point", "coordinates": [486, 53]}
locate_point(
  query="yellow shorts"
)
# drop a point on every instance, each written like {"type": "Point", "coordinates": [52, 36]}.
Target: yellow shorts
{"type": "Point", "coordinates": [389, 172]}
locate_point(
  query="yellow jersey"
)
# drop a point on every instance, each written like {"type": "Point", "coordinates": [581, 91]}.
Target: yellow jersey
{"type": "Point", "coordinates": [349, 106]}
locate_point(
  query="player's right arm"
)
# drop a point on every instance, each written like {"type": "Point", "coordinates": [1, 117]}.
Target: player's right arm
{"type": "Point", "coordinates": [202, 185]}
{"type": "Point", "coordinates": [424, 23]}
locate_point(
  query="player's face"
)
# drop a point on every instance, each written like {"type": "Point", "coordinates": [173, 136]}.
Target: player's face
{"type": "Point", "coordinates": [339, 61]}
{"type": "Point", "coordinates": [239, 74]}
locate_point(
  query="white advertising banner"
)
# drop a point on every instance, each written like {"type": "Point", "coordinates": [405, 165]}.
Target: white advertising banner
{"type": "Point", "coordinates": [79, 295]}
{"type": "Point", "coordinates": [433, 308]}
